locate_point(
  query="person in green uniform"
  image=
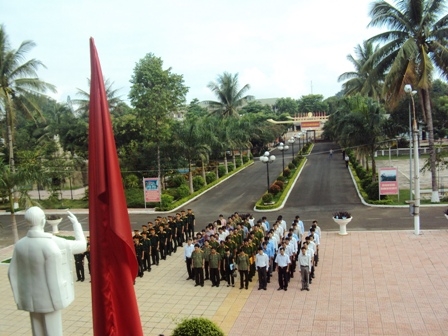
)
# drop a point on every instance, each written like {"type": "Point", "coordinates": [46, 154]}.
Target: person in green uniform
{"type": "Point", "coordinates": [139, 255]}
{"type": "Point", "coordinates": [179, 230]}
{"type": "Point", "coordinates": [198, 261]}
{"type": "Point", "coordinates": [207, 250]}
{"type": "Point", "coordinates": [162, 242]}
{"type": "Point", "coordinates": [242, 261]}
{"type": "Point", "coordinates": [215, 264]}
{"type": "Point", "coordinates": [183, 216]}
{"type": "Point", "coordinates": [173, 227]}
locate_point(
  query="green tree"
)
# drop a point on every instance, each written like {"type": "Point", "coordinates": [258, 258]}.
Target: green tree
{"type": "Point", "coordinates": [286, 105]}
{"type": "Point", "coordinates": [413, 46]}
{"type": "Point", "coordinates": [156, 93]}
{"type": "Point", "coordinates": [312, 103]}
{"type": "Point", "coordinates": [192, 139]}
{"type": "Point", "coordinates": [364, 79]}
{"type": "Point", "coordinates": [254, 106]}
{"type": "Point", "coordinates": [230, 97]}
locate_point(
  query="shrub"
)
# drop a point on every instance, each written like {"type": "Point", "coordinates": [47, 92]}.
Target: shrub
{"type": "Point", "coordinates": [291, 166]}
{"type": "Point", "coordinates": [296, 161]}
{"type": "Point", "coordinates": [268, 198]}
{"type": "Point", "coordinates": [341, 214]}
{"type": "Point", "coordinates": [135, 198]}
{"type": "Point", "coordinates": [131, 181]}
{"type": "Point", "coordinates": [221, 171]}
{"type": "Point", "coordinates": [230, 166]}
{"type": "Point", "coordinates": [372, 191]}
{"type": "Point", "coordinates": [173, 192]}
{"type": "Point", "coordinates": [197, 326]}
{"type": "Point", "coordinates": [183, 191]}
{"type": "Point", "coordinates": [280, 184]}
{"type": "Point", "coordinates": [366, 182]}
{"type": "Point", "coordinates": [166, 201]}
{"type": "Point", "coordinates": [286, 172]}
{"type": "Point", "coordinates": [176, 181]}
{"type": "Point", "coordinates": [238, 163]}
{"type": "Point", "coordinates": [245, 159]}
{"type": "Point", "coordinates": [281, 178]}
{"type": "Point", "coordinates": [274, 189]}
{"type": "Point", "coordinates": [210, 177]}
{"type": "Point", "coordinates": [198, 183]}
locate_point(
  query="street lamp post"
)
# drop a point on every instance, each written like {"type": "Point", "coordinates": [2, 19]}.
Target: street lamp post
{"type": "Point", "coordinates": [408, 89]}
{"type": "Point", "coordinates": [282, 148]}
{"type": "Point", "coordinates": [267, 159]}
{"type": "Point", "coordinates": [291, 141]}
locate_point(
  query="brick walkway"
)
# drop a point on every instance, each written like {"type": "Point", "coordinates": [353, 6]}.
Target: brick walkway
{"type": "Point", "coordinates": [367, 283]}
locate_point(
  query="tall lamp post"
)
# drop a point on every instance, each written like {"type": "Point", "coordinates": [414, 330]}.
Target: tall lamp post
{"type": "Point", "coordinates": [282, 148]}
{"type": "Point", "coordinates": [408, 90]}
{"type": "Point", "coordinates": [291, 141]}
{"type": "Point", "coordinates": [267, 159]}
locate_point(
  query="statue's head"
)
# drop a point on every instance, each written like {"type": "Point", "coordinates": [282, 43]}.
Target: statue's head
{"type": "Point", "coordinates": [35, 217]}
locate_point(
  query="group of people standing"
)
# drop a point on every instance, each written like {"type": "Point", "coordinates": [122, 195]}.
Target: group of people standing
{"type": "Point", "coordinates": [241, 243]}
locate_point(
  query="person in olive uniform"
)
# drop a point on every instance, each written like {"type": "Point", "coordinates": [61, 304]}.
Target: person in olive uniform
{"type": "Point", "coordinates": [207, 250]}
{"type": "Point", "coordinates": [242, 261]}
{"type": "Point", "coordinates": [163, 239]}
{"type": "Point", "coordinates": [215, 263]}
{"type": "Point", "coordinates": [79, 265]}
{"type": "Point", "coordinates": [198, 265]}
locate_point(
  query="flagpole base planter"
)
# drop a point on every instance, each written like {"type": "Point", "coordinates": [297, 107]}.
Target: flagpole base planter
{"type": "Point", "coordinates": [342, 222]}
{"type": "Point", "coordinates": [54, 224]}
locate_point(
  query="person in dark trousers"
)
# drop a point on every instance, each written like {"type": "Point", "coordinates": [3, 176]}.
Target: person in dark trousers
{"type": "Point", "coordinates": [197, 258]}
{"type": "Point", "coordinates": [190, 223]}
{"type": "Point", "coordinates": [262, 264]}
{"type": "Point", "coordinates": [146, 242]}
{"type": "Point", "coordinates": [139, 255]}
{"type": "Point", "coordinates": [87, 253]}
{"type": "Point", "coordinates": [242, 261]}
{"type": "Point", "coordinates": [283, 261]}
{"type": "Point", "coordinates": [229, 268]}
{"type": "Point", "coordinates": [154, 247]}
{"type": "Point", "coordinates": [79, 265]}
{"type": "Point", "coordinates": [346, 161]}
{"type": "Point", "coordinates": [215, 263]}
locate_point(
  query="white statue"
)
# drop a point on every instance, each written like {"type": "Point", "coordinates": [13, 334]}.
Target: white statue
{"type": "Point", "coordinates": [40, 273]}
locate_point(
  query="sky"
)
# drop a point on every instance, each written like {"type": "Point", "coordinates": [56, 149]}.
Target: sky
{"type": "Point", "coordinates": [282, 48]}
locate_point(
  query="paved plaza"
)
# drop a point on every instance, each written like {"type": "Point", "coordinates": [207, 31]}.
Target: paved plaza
{"type": "Point", "coordinates": [367, 283]}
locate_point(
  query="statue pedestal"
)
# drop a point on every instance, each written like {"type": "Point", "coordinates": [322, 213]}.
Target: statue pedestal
{"type": "Point", "coordinates": [54, 224]}
{"type": "Point", "coordinates": [342, 225]}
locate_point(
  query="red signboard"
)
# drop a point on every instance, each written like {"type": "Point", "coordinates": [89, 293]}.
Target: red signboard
{"type": "Point", "coordinates": [310, 124]}
{"type": "Point", "coordinates": [388, 181]}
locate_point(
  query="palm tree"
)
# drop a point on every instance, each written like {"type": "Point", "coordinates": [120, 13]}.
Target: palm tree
{"type": "Point", "coordinates": [413, 46]}
{"type": "Point", "coordinates": [192, 139]}
{"type": "Point", "coordinates": [230, 97]}
{"type": "Point", "coordinates": [19, 85]}
{"type": "Point", "coordinates": [364, 79]}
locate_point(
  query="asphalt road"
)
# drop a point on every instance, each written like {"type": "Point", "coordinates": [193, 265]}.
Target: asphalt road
{"type": "Point", "coordinates": [324, 187]}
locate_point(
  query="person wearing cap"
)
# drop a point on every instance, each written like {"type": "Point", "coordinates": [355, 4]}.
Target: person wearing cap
{"type": "Point", "coordinates": [242, 261]}
{"type": "Point", "coordinates": [262, 265]}
{"type": "Point", "coordinates": [87, 253]}
{"type": "Point", "coordinates": [282, 260]}
{"type": "Point", "coordinates": [207, 249]}
{"type": "Point", "coordinates": [179, 230]}
{"type": "Point", "coordinates": [215, 264]}
{"type": "Point", "coordinates": [139, 254]}
{"type": "Point", "coordinates": [191, 222]}
{"type": "Point", "coordinates": [197, 257]}
{"type": "Point", "coordinates": [305, 268]}
{"type": "Point", "coordinates": [173, 227]}
{"type": "Point", "coordinates": [146, 243]}
{"type": "Point", "coordinates": [154, 247]}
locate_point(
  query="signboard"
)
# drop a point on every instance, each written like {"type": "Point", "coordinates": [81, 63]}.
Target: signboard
{"type": "Point", "coordinates": [388, 181]}
{"type": "Point", "coordinates": [310, 124]}
{"type": "Point", "coordinates": [151, 189]}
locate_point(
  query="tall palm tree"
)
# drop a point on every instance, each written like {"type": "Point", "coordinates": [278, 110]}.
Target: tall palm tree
{"type": "Point", "coordinates": [363, 79]}
{"type": "Point", "coordinates": [192, 140]}
{"type": "Point", "coordinates": [414, 45]}
{"type": "Point", "coordinates": [230, 97]}
{"type": "Point", "coordinates": [19, 85]}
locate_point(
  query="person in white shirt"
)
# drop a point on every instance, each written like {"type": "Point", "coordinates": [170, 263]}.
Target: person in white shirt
{"type": "Point", "coordinates": [188, 250]}
{"type": "Point", "coordinates": [305, 267]}
{"type": "Point", "coordinates": [282, 260]}
{"type": "Point", "coordinates": [282, 223]}
{"type": "Point", "coordinates": [262, 265]}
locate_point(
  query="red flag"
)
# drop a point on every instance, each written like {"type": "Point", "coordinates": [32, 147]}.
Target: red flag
{"type": "Point", "coordinates": [113, 260]}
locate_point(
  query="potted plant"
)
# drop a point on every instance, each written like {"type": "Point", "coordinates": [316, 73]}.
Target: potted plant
{"type": "Point", "coordinates": [54, 221]}
{"type": "Point", "coordinates": [342, 218]}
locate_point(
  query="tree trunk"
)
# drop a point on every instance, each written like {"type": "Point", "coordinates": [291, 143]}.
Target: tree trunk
{"type": "Point", "coordinates": [225, 162]}
{"type": "Point", "coordinates": [234, 159]}
{"type": "Point", "coordinates": [190, 177]}
{"type": "Point", "coordinates": [435, 198]}
{"type": "Point", "coordinates": [203, 172]}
